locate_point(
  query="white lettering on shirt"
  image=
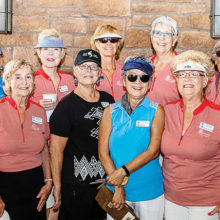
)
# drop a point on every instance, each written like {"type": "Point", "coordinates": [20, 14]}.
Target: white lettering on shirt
{"type": "Point", "coordinates": [142, 123]}
{"type": "Point", "coordinates": [64, 88]}
{"type": "Point", "coordinates": [206, 127]}
{"type": "Point", "coordinates": [37, 120]}
{"type": "Point", "coordinates": [104, 104]}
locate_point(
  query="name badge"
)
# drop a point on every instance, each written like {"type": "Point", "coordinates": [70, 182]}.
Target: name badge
{"type": "Point", "coordinates": [37, 120]}
{"type": "Point", "coordinates": [206, 127]}
{"type": "Point", "coordinates": [142, 123]}
{"type": "Point", "coordinates": [64, 88]}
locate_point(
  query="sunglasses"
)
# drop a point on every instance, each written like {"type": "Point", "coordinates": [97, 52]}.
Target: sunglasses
{"type": "Point", "coordinates": [218, 53]}
{"type": "Point", "coordinates": [106, 39]}
{"type": "Point", "coordinates": [143, 78]}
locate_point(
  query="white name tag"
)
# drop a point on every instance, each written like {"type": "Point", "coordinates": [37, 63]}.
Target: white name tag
{"type": "Point", "coordinates": [206, 127]}
{"type": "Point", "coordinates": [104, 104]}
{"type": "Point", "coordinates": [142, 123]}
{"type": "Point", "coordinates": [37, 120]}
{"type": "Point", "coordinates": [64, 88]}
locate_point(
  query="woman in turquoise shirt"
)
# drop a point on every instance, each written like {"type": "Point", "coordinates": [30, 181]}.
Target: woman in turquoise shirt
{"type": "Point", "coordinates": [129, 144]}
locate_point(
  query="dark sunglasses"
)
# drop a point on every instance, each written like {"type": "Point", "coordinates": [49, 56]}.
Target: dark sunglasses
{"type": "Point", "coordinates": [218, 53]}
{"type": "Point", "coordinates": [106, 39]}
{"type": "Point", "coordinates": [133, 78]}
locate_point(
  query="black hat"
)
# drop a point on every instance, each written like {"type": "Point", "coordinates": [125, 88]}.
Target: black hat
{"type": "Point", "coordinates": [88, 55]}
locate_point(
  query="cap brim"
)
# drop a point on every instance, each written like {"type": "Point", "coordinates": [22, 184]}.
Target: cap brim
{"type": "Point", "coordinates": [108, 35]}
{"type": "Point", "coordinates": [88, 60]}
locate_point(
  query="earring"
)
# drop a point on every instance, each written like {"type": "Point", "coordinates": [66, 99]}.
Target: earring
{"type": "Point", "coordinates": [76, 81]}
{"type": "Point", "coordinates": [98, 82]}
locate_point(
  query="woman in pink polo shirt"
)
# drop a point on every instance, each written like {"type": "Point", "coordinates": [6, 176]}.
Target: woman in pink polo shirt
{"type": "Point", "coordinates": [109, 43]}
{"type": "Point", "coordinates": [164, 36]}
{"type": "Point", "coordinates": [24, 157]}
{"type": "Point", "coordinates": [191, 143]}
{"type": "Point", "coordinates": [213, 88]}
{"type": "Point", "coordinates": [49, 79]}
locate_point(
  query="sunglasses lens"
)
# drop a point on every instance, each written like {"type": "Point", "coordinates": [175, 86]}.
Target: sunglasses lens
{"type": "Point", "coordinates": [106, 39]}
{"type": "Point", "coordinates": [218, 53]}
{"type": "Point", "coordinates": [144, 78]}
{"type": "Point", "coordinates": [132, 78]}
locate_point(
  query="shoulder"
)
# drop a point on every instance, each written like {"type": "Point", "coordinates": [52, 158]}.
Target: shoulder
{"type": "Point", "coordinates": [3, 100]}
{"type": "Point", "coordinates": [35, 104]}
{"type": "Point", "coordinates": [213, 106]}
{"type": "Point", "coordinates": [106, 96]}
{"type": "Point", "coordinates": [66, 75]}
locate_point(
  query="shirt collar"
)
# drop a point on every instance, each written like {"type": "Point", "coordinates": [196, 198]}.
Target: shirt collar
{"type": "Point", "coordinates": [13, 104]}
{"type": "Point", "coordinates": [199, 109]}
{"type": "Point", "coordinates": [126, 105]}
{"type": "Point", "coordinates": [42, 73]}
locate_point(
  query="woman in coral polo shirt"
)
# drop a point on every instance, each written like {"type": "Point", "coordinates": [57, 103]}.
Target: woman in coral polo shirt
{"type": "Point", "coordinates": [191, 144]}
{"type": "Point", "coordinates": [24, 157]}
{"type": "Point", "coordinates": [108, 41]}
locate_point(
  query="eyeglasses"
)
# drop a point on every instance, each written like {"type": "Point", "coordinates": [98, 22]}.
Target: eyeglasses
{"type": "Point", "coordinates": [166, 35]}
{"type": "Point", "coordinates": [106, 39]}
{"type": "Point", "coordinates": [133, 77]}
{"type": "Point", "coordinates": [218, 53]}
{"type": "Point", "coordinates": [92, 67]}
{"type": "Point", "coordinates": [191, 74]}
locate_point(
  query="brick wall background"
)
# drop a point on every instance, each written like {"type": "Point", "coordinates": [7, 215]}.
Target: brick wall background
{"type": "Point", "coordinates": [77, 20]}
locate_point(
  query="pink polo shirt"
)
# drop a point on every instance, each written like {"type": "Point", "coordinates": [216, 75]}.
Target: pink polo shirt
{"type": "Point", "coordinates": [163, 88]}
{"type": "Point", "coordinates": [21, 144]}
{"type": "Point", "coordinates": [44, 84]}
{"type": "Point", "coordinates": [191, 164]}
{"type": "Point", "coordinates": [211, 91]}
{"type": "Point", "coordinates": [116, 90]}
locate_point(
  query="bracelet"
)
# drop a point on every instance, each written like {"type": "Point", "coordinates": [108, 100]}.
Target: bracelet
{"type": "Point", "coordinates": [48, 180]}
{"type": "Point", "coordinates": [126, 170]}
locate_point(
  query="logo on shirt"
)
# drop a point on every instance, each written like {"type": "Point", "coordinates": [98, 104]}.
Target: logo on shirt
{"type": "Point", "coordinates": [37, 120]}
{"type": "Point", "coordinates": [64, 88]}
{"type": "Point", "coordinates": [142, 123]}
{"type": "Point", "coordinates": [206, 127]}
{"type": "Point", "coordinates": [104, 104]}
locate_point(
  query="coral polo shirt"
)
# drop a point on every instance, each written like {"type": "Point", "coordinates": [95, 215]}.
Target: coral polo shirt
{"type": "Point", "coordinates": [116, 89]}
{"type": "Point", "coordinates": [21, 143]}
{"type": "Point", "coordinates": [163, 88]}
{"type": "Point", "coordinates": [211, 91]}
{"type": "Point", "coordinates": [191, 164]}
{"type": "Point", "coordinates": [44, 85]}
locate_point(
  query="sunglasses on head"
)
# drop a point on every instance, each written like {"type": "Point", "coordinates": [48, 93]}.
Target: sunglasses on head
{"type": "Point", "coordinates": [106, 39]}
{"type": "Point", "coordinates": [133, 77]}
{"type": "Point", "coordinates": [218, 53]}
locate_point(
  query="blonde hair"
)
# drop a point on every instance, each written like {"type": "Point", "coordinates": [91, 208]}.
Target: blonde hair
{"type": "Point", "coordinates": [49, 33]}
{"type": "Point", "coordinates": [10, 68]}
{"type": "Point", "coordinates": [196, 57]}
{"type": "Point", "coordinates": [102, 29]}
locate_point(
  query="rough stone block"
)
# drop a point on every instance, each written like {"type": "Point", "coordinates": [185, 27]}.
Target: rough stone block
{"type": "Point", "coordinates": [17, 39]}
{"type": "Point", "coordinates": [196, 39]}
{"type": "Point", "coordinates": [69, 25]}
{"type": "Point", "coordinates": [82, 41]}
{"type": "Point", "coordinates": [51, 3]}
{"type": "Point", "coordinates": [66, 11]}
{"type": "Point", "coordinates": [138, 38]}
{"type": "Point", "coordinates": [191, 8]}
{"type": "Point", "coordinates": [201, 21]}
{"type": "Point", "coordinates": [154, 8]}
{"type": "Point", "coordinates": [106, 7]}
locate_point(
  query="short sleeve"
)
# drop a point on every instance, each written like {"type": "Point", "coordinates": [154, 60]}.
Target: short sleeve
{"type": "Point", "coordinates": [60, 123]}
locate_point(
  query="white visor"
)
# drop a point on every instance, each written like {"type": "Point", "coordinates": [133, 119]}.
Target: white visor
{"type": "Point", "coordinates": [189, 65]}
{"type": "Point", "coordinates": [108, 35]}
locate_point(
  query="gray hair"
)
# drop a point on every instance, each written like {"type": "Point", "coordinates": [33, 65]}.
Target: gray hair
{"type": "Point", "coordinates": [146, 59]}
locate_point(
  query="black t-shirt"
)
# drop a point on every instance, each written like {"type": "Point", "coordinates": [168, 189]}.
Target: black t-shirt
{"type": "Point", "coordinates": [79, 120]}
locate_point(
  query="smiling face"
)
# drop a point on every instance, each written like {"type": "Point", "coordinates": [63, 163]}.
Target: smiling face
{"type": "Point", "coordinates": [87, 73]}
{"type": "Point", "coordinates": [50, 57]}
{"type": "Point", "coordinates": [136, 89]}
{"type": "Point", "coordinates": [22, 82]}
{"type": "Point", "coordinates": [107, 49]}
{"type": "Point", "coordinates": [165, 42]}
{"type": "Point", "coordinates": [192, 86]}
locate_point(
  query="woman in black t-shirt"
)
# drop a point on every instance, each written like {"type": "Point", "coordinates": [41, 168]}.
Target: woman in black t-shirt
{"type": "Point", "coordinates": [74, 142]}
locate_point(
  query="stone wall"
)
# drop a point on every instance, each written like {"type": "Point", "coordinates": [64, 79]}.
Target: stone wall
{"type": "Point", "coordinates": [77, 20]}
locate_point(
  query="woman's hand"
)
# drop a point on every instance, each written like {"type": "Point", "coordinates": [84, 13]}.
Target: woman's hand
{"type": "Point", "coordinates": [215, 210]}
{"type": "Point", "coordinates": [2, 206]}
{"type": "Point", "coordinates": [47, 104]}
{"type": "Point", "coordinates": [43, 195]}
{"type": "Point", "coordinates": [118, 199]}
{"type": "Point", "coordinates": [116, 177]}
{"type": "Point", "coordinates": [57, 197]}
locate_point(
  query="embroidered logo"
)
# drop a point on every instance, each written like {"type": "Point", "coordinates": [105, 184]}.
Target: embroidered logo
{"type": "Point", "coordinates": [84, 168]}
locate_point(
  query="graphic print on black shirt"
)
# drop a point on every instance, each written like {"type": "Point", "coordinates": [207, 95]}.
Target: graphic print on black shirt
{"type": "Point", "coordinates": [79, 120]}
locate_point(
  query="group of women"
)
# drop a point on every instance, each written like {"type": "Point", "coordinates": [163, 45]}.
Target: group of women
{"type": "Point", "coordinates": [91, 136]}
